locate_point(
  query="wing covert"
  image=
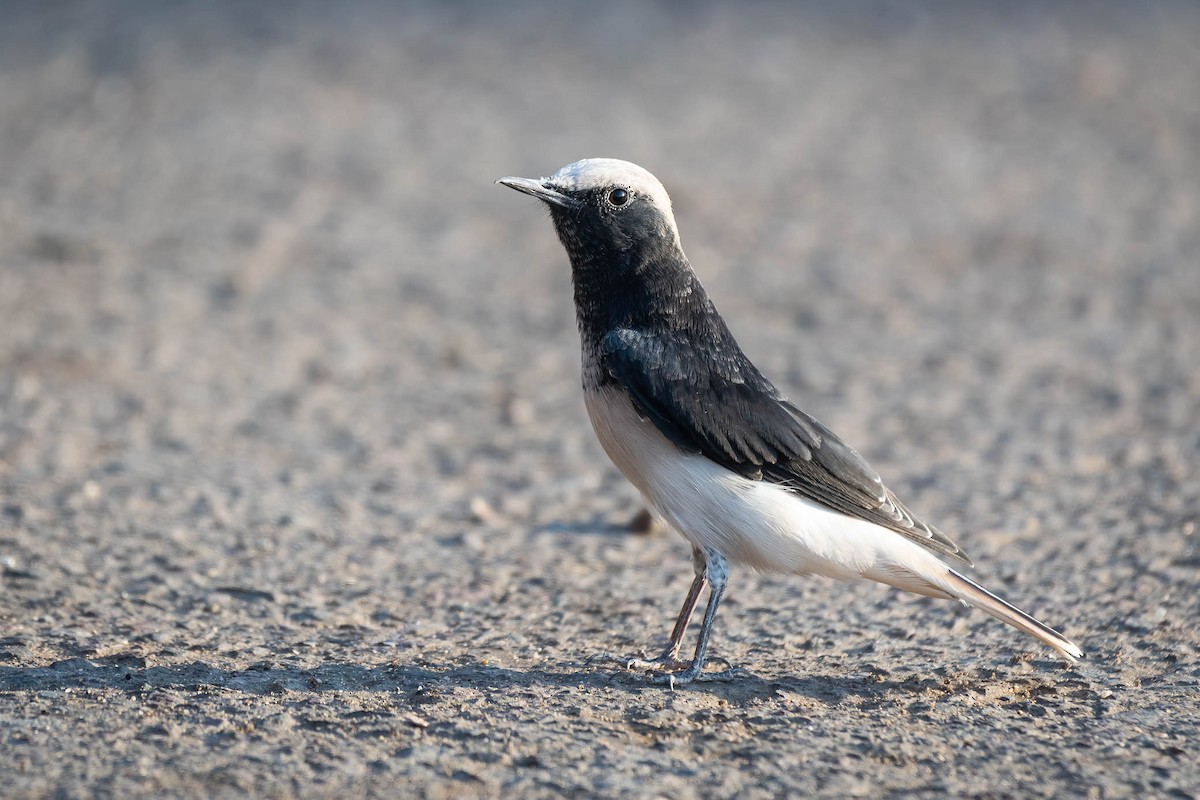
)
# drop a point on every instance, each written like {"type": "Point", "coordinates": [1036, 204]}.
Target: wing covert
{"type": "Point", "coordinates": [716, 403]}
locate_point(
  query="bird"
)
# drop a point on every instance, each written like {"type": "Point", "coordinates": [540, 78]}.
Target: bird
{"type": "Point", "coordinates": [717, 451]}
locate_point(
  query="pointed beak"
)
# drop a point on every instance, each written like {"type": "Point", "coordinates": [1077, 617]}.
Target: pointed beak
{"type": "Point", "coordinates": [539, 189]}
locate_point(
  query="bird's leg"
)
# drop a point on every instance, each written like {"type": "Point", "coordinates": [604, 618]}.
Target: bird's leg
{"type": "Point", "coordinates": [669, 659]}
{"type": "Point", "coordinates": [699, 568]}
{"type": "Point", "coordinates": [717, 572]}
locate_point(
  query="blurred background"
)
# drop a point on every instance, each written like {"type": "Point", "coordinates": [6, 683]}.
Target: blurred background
{"type": "Point", "coordinates": [267, 326]}
{"type": "Point", "coordinates": [255, 268]}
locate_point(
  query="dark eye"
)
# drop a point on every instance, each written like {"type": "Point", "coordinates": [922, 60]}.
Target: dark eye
{"type": "Point", "coordinates": [618, 197]}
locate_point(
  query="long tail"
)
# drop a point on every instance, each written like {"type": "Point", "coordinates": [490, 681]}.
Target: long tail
{"type": "Point", "coordinates": [914, 569]}
{"type": "Point", "coordinates": [973, 594]}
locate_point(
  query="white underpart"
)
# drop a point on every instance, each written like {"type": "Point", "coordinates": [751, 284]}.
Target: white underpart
{"type": "Point", "coordinates": [752, 522]}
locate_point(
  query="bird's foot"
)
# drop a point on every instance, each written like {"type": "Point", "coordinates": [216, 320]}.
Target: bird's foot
{"type": "Point", "coordinates": [666, 663]}
{"type": "Point", "coordinates": [606, 658]}
{"type": "Point", "coordinates": [668, 669]}
{"type": "Point", "coordinates": [694, 673]}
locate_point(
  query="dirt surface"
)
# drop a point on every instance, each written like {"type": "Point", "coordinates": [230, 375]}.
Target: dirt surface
{"type": "Point", "coordinates": [297, 494]}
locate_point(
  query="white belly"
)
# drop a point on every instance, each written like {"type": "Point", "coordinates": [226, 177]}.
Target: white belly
{"type": "Point", "coordinates": [751, 522]}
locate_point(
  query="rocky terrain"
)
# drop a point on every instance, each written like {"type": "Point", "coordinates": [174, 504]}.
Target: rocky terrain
{"type": "Point", "coordinates": [297, 494]}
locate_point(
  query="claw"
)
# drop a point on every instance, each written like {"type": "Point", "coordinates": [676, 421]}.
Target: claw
{"type": "Point", "coordinates": [667, 669]}
{"type": "Point", "coordinates": [607, 658]}
{"type": "Point", "coordinates": [660, 664]}
{"type": "Point", "coordinates": [673, 679]}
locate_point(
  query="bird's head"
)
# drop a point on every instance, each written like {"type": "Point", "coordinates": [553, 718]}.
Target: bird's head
{"type": "Point", "coordinates": [606, 211]}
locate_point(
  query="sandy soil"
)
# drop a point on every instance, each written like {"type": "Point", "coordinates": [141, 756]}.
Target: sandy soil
{"type": "Point", "coordinates": [297, 495]}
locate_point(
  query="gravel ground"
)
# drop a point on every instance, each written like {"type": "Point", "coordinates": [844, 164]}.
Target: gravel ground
{"type": "Point", "coordinates": [297, 494]}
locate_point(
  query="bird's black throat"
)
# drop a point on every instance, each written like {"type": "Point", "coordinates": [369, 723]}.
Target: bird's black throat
{"type": "Point", "coordinates": [638, 282]}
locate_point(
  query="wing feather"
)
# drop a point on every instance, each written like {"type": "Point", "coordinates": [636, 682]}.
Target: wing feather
{"type": "Point", "coordinates": [716, 403]}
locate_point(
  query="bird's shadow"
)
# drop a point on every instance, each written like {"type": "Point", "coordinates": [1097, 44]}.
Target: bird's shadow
{"type": "Point", "coordinates": [132, 675]}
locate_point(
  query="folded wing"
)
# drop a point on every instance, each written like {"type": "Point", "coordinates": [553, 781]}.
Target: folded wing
{"type": "Point", "coordinates": [716, 403]}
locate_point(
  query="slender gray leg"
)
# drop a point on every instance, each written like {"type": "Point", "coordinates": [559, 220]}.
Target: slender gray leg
{"type": "Point", "coordinates": [700, 568]}
{"type": "Point", "coordinates": [669, 659]}
{"type": "Point", "coordinates": [717, 572]}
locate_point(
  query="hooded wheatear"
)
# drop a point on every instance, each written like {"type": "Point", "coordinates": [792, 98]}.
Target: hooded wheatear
{"type": "Point", "coordinates": [715, 449]}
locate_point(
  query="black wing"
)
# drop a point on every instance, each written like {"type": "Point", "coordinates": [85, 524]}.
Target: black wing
{"type": "Point", "coordinates": [716, 403]}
